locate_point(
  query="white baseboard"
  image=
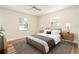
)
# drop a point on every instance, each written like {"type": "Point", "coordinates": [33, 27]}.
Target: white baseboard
{"type": "Point", "coordinates": [11, 39]}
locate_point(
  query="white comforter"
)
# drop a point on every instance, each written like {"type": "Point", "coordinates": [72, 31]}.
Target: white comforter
{"type": "Point", "coordinates": [56, 38]}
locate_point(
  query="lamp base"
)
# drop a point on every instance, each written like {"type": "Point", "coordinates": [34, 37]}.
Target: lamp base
{"type": "Point", "coordinates": [68, 32]}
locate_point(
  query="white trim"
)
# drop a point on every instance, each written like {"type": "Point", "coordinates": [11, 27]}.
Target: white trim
{"type": "Point", "coordinates": [11, 39]}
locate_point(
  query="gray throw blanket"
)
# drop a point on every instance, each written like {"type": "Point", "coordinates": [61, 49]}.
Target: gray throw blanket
{"type": "Point", "coordinates": [50, 41]}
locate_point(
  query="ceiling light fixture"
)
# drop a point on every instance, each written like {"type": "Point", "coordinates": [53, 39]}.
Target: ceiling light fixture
{"type": "Point", "coordinates": [33, 9]}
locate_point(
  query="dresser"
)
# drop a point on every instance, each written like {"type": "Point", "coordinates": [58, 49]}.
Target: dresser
{"type": "Point", "coordinates": [2, 45]}
{"type": "Point", "coordinates": [67, 36]}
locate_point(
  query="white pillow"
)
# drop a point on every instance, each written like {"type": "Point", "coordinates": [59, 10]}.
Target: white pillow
{"type": "Point", "coordinates": [55, 32]}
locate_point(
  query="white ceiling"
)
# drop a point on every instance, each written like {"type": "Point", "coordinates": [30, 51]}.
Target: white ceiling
{"type": "Point", "coordinates": [27, 8]}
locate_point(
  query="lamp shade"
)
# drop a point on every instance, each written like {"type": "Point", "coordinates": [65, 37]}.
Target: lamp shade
{"type": "Point", "coordinates": [68, 25]}
{"type": "Point", "coordinates": [42, 26]}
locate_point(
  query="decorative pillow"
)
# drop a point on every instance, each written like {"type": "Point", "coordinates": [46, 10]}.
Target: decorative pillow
{"type": "Point", "coordinates": [48, 32]}
{"type": "Point", "coordinates": [55, 32]}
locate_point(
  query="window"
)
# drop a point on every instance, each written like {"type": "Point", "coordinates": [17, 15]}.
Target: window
{"type": "Point", "coordinates": [23, 23]}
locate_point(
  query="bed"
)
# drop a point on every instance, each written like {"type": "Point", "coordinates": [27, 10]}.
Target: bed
{"type": "Point", "coordinates": [46, 40]}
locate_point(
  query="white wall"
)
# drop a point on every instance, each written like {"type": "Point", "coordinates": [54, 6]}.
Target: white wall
{"type": "Point", "coordinates": [68, 15]}
{"type": "Point", "coordinates": [10, 23]}
{"type": "Point", "coordinates": [78, 25]}
{"type": "Point", "coordinates": [9, 20]}
{"type": "Point", "coordinates": [0, 19]}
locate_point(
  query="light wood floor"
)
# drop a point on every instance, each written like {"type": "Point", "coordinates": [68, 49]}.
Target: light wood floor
{"type": "Point", "coordinates": [10, 49]}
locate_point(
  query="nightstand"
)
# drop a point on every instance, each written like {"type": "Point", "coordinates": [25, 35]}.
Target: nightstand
{"type": "Point", "coordinates": [2, 45]}
{"type": "Point", "coordinates": [67, 36]}
{"type": "Point", "coordinates": [41, 31]}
